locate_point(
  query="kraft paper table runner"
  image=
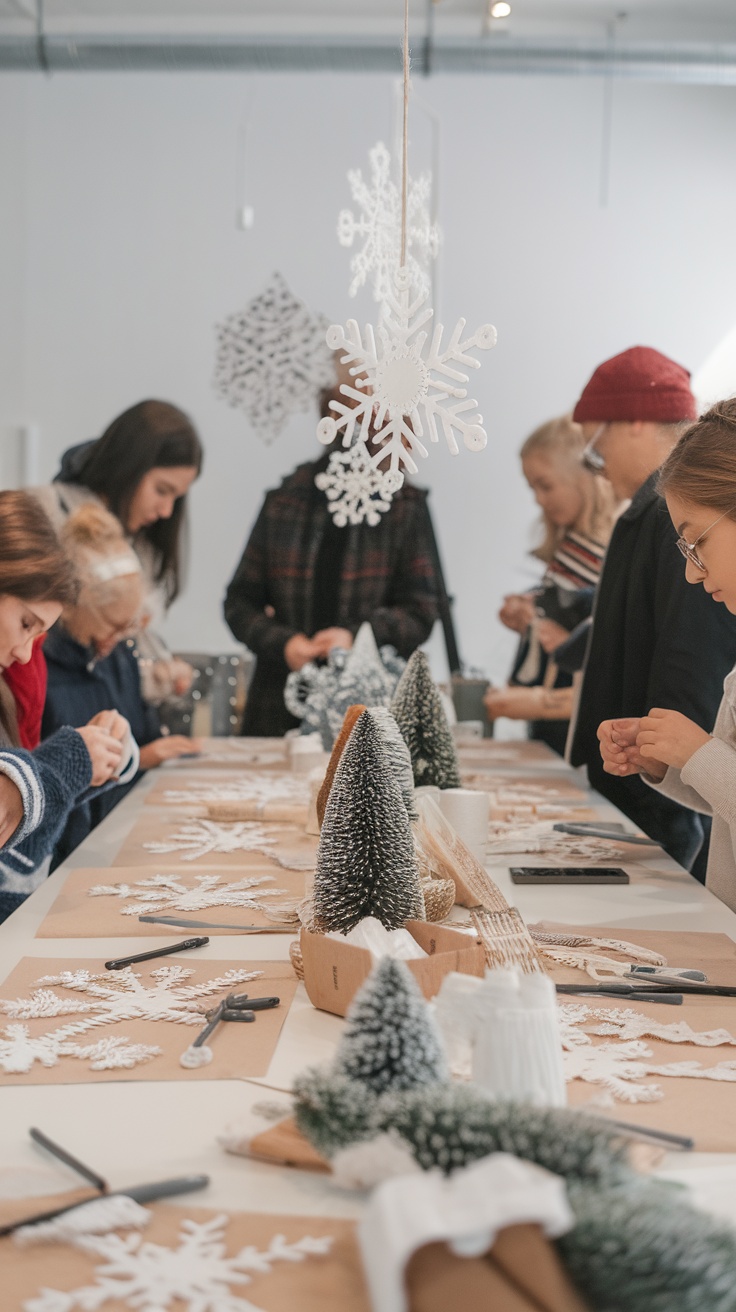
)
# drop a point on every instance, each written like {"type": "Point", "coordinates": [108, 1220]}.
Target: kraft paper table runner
{"type": "Point", "coordinates": [77, 914]}
{"type": "Point", "coordinates": [240, 1050]}
{"type": "Point", "coordinates": [291, 845]}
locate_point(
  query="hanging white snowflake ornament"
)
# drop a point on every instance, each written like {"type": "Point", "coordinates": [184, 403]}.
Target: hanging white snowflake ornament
{"type": "Point", "coordinates": [407, 386]}
{"type": "Point", "coordinates": [355, 489]}
{"type": "Point", "coordinates": [378, 223]}
{"type": "Point", "coordinates": [271, 358]}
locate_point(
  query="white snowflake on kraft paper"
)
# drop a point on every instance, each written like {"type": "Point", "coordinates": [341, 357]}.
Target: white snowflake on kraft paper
{"type": "Point", "coordinates": [355, 489]}
{"type": "Point", "coordinates": [271, 358]}
{"type": "Point", "coordinates": [619, 1068]}
{"type": "Point", "coordinates": [247, 787]}
{"type": "Point", "coordinates": [405, 381]}
{"type": "Point", "coordinates": [196, 1276]}
{"type": "Point", "coordinates": [20, 1050]}
{"type": "Point", "coordinates": [199, 838]}
{"type": "Point", "coordinates": [170, 893]}
{"type": "Point", "coordinates": [378, 223]}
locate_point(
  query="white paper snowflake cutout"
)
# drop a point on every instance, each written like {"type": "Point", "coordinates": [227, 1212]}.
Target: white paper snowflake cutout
{"type": "Point", "coordinates": [379, 225]}
{"type": "Point", "coordinates": [197, 1276]}
{"type": "Point", "coordinates": [405, 382]}
{"type": "Point", "coordinates": [201, 837]}
{"type": "Point", "coordinates": [271, 358]}
{"type": "Point", "coordinates": [355, 489]}
{"type": "Point", "coordinates": [169, 893]}
{"type": "Point", "coordinates": [246, 787]}
{"type": "Point", "coordinates": [19, 1050]}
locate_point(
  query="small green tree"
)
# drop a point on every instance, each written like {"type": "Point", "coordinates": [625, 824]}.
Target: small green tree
{"type": "Point", "coordinates": [418, 711]}
{"type": "Point", "coordinates": [391, 1040]}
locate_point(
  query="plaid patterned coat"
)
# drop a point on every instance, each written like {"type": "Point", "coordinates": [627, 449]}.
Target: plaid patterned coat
{"type": "Point", "coordinates": [387, 577]}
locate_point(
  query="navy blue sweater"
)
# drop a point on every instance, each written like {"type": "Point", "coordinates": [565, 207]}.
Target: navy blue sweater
{"type": "Point", "coordinates": [78, 688]}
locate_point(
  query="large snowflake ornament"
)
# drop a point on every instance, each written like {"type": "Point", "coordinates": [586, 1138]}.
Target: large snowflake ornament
{"type": "Point", "coordinates": [408, 386]}
{"type": "Point", "coordinates": [170, 893]}
{"type": "Point", "coordinates": [355, 489]}
{"type": "Point", "coordinates": [271, 358]}
{"type": "Point", "coordinates": [378, 224]}
{"type": "Point", "coordinates": [196, 1276]}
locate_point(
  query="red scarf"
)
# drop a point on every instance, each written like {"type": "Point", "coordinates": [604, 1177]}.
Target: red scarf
{"type": "Point", "coordinates": [27, 683]}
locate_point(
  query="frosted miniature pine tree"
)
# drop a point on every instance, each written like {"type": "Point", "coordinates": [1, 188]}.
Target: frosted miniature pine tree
{"type": "Point", "coordinates": [418, 711]}
{"type": "Point", "coordinates": [366, 864]}
{"type": "Point", "coordinates": [396, 754]}
{"type": "Point", "coordinates": [391, 1041]}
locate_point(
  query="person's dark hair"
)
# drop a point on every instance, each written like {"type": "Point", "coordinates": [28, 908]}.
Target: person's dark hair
{"type": "Point", "coordinates": [150, 435]}
{"type": "Point", "coordinates": [701, 468]}
{"type": "Point", "coordinates": [33, 567]}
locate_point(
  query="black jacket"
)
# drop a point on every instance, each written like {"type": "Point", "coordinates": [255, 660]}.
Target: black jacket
{"type": "Point", "coordinates": [656, 641]}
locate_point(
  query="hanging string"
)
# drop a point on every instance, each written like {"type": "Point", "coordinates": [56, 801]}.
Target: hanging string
{"type": "Point", "coordinates": [405, 137]}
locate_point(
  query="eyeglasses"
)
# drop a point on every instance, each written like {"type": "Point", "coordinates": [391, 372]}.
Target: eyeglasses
{"type": "Point", "coordinates": [688, 548]}
{"type": "Point", "coordinates": [592, 459]}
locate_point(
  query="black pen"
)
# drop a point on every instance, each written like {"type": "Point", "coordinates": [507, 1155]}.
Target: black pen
{"type": "Point", "coordinates": [156, 952]}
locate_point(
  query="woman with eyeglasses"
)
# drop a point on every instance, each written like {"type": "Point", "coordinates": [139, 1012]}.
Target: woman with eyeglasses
{"type": "Point", "coordinates": [577, 517]}
{"type": "Point", "coordinates": [90, 654]}
{"type": "Point", "coordinates": [670, 751]}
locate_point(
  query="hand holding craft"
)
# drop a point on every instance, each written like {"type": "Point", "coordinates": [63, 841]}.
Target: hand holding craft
{"type": "Point", "coordinates": [299, 650]}
{"type": "Point", "coordinates": [105, 752]}
{"type": "Point", "coordinates": [11, 809]}
{"type": "Point", "coordinates": [621, 756]}
{"type": "Point", "coordinates": [550, 635]}
{"type": "Point", "coordinates": [670, 737]}
{"type": "Point", "coordinates": [517, 613]}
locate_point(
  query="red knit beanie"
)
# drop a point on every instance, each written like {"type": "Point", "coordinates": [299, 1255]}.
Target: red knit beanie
{"type": "Point", "coordinates": [637, 384]}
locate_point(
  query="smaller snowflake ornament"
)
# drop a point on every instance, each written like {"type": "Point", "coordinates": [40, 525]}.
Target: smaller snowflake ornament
{"type": "Point", "coordinates": [201, 837]}
{"type": "Point", "coordinates": [355, 489]}
{"type": "Point", "coordinates": [271, 359]}
{"type": "Point", "coordinates": [378, 223]}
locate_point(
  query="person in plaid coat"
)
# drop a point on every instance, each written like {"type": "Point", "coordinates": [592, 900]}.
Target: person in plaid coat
{"type": "Point", "coordinates": [304, 586]}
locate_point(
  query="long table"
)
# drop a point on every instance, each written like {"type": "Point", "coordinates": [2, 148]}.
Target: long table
{"type": "Point", "coordinates": [132, 1131]}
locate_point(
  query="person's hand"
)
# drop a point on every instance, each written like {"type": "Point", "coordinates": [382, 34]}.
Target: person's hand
{"type": "Point", "coordinates": [113, 722]}
{"type": "Point", "coordinates": [299, 650]}
{"type": "Point", "coordinates": [619, 752]}
{"type": "Point", "coordinates": [327, 639]}
{"type": "Point", "coordinates": [669, 737]}
{"type": "Point", "coordinates": [550, 635]}
{"type": "Point", "coordinates": [182, 675]}
{"type": "Point", "coordinates": [514, 703]}
{"type": "Point", "coordinates": [167, 749]}
{"type": "Point", "coordinates": [11, 809]}
{"type": "Point", "coordinates": [105, 752]}
{"type": "Point", "coordinates": [517, 612]}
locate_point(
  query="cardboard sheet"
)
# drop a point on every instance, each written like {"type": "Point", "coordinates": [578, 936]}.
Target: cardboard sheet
{"type": "Point", "coordinates": [76, 914]}
{"type": "Point", "coordinates": [241, 1051]}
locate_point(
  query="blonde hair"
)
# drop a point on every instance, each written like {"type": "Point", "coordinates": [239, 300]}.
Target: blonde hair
{"type": "Point", "coordinates": [562, 442]}
{"type": "Point", "coordinates": [701, 468]}
{"type": "Point", "coordinates": [106, 566]}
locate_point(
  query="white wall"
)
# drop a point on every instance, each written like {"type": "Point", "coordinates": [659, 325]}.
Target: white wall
{"type": "Point", "coordinates": [120, 252]}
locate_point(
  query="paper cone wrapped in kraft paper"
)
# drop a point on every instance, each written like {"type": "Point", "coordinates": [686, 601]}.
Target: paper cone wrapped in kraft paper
{"type": "Point", "coordinates": [521, 1273]}
{"type": "Point", "coordinates": [335, 970]}
{"type": "Point", "coordinates": [281, 1143]}
{"type": "Point", "coordinates": [352, 714]}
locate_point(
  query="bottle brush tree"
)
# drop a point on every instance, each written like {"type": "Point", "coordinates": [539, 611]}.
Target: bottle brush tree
{"type": "Point", "coordinates": [418, 710]}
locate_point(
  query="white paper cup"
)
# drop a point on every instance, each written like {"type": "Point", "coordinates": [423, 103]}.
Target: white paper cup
{"type": "Point", "coordinates": [468, 813]}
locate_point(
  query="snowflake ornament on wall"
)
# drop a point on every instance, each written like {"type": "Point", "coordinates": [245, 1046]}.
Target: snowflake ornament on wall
{"type": "Point", "coordinates": [196, 1276]}
{"type": "Point", "coordinates": [271, 359]}
{"type": "Point", "coordinates": [170, 893]}
{"type": "Point", "coordinates": [378, 224]}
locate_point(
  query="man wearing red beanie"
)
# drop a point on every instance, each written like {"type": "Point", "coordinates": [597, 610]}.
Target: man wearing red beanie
{"type": "Point", "coordinates": [655, 641]}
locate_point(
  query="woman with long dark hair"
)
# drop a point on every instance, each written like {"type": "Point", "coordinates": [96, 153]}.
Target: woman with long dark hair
{"type": "Point", "coordinates": [39, 789]}
{"type": "Point", "coordinates": [140, 469]}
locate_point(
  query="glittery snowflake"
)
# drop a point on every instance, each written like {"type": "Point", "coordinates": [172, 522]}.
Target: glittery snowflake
{"type": "Point", "coordinates": [271, 358]}
{"type": "Point", "coordinates": [246, 787]}
{"type": "Point", "coordinates": [378, 224]}
{"type": "Point", "coordinates": [201, 837]}
{"type": "Point", "coordinates": [114, 996]}
{"type": "Point", "coordinates": [319, 695]}
{"type": "Point", "coordinates": [405, 380]}
{"type": "Point", "coordinates": [20, 1050]}
{"type": "Point", "coordinates": [354, 487]}
{"type": "Point", "coordinates": [170, 893]}
{"type": "Point", "coordinates": [196, 1276]}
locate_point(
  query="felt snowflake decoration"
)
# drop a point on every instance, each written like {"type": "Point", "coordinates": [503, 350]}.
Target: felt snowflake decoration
{"type": "Point", "coordinates": [271, 358]}
{"type": "Point", "coordinates": [378, 224]}
{"type": "Point", "coordinates": [405, 381]}
{"type": "Point", "coordinates": [171, 893]}
{"type": "Point", "coordinates": [20, 1050]}
{"type": "Point", "coordinates": [201, 837]}
{"type": "Point", "coordinates": [355, 488]}
{"type": "Point", "coordinates": [196, 1276]}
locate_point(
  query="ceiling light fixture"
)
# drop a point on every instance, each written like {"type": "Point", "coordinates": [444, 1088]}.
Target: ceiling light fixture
{"type": "Point", "coordinates": [500, 9]}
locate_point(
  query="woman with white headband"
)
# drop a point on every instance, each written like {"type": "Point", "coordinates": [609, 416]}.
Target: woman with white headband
{"type": "Point", "coordinates": [90, 653]}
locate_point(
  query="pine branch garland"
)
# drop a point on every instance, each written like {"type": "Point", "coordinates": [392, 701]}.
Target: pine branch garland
{"type": "Point", "coordinates": [391, 1040]}
{"type": "Point", "coordinates": [418, 710]}
{"type": "Point", "coordinates": [366, 865]}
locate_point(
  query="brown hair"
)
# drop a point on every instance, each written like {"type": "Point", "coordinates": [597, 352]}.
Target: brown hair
{"type": "Point", "coordinates": [701, 468]}
{"type": "Point", "coordinates": [33, 567]}
{"type": "Point", "coordinates": [561, 440]}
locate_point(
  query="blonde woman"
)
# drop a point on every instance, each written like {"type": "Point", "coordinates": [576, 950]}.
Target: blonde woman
{"type": "Point", "coordinates": [578, 510]}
